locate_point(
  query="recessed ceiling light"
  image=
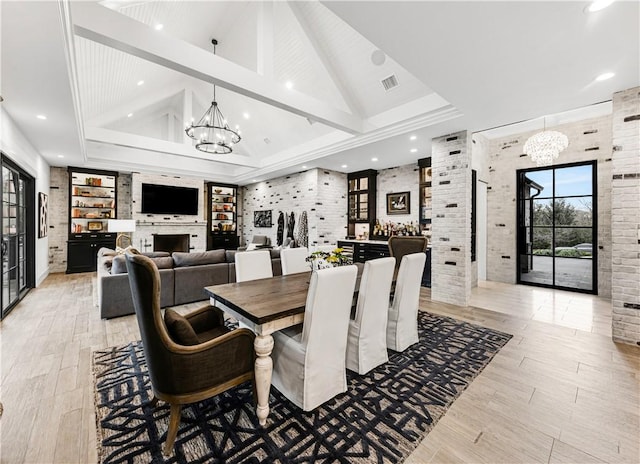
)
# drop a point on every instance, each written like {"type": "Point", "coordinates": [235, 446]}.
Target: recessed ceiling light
{"type": "Point", "coordinates": [129, 115]}
{"type": "Point", "coordinates": [140, 82]}
{"type": "Point", "coordinates": [413, 150]}
{"type": "Point", "coordinates": [159, 27]}
{"type": "Point", "coordinates": [304, 167]}
{"type": "Point", "coordinates": [60, 156]}
{"type": "Point", "coordinates": [598, 5]}
{"type": "Point", "coordinates": [413, 137]}
{"type": "Point", "coordinates": [605, 76]}
{"type": "Point", "coordinates": [374, 159]}
{"type": "Point", "coordinates": [254, 180]}
{"type": "Point", "coordinates": [344, 165]}
{"type": "Point", "coordinates": [41, 116]}
{"type": "Point", "coordinates": [289, 85]}
{"type": "Point", "coordinates": [246, 115]}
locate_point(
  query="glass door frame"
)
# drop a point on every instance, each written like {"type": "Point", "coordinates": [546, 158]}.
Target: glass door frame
{"type": "Point", "coordinates": [28, 230]}
{"type": "Point", "coordinates": [521, 233]}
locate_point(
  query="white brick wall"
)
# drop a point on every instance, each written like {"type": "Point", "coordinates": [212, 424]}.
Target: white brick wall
{"type": "Point", "coordinates": [149, 224]}
{"type": "Point", "coordinates": [321, 193]}
{"type": "Point", "coordinates": [58, 219]}
{"type": "Point", "coordinates": [506, 157]}
{"type": "Point", "coordinates": [394, 180]}
{"type": "Point", "coordinates": [451, 194]}
{"type": "Point", "coordinates": [625, 217]}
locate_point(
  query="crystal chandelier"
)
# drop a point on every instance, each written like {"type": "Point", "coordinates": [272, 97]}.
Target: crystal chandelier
{"type": "Point", "coordinates": [212, 132]}
{"type": "Point", "coordinates": [544, 147]}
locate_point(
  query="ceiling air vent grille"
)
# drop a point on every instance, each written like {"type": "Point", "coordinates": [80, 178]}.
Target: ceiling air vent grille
{"type": "Point", "coordinates": [390, 82]}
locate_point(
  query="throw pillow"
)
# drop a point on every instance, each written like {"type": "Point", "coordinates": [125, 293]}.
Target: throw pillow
{"type": "Point", "coordinates": [180, 329]}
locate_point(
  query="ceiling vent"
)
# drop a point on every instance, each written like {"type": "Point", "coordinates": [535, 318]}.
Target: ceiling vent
{"type": "Point", "coordinates": [390, 82]}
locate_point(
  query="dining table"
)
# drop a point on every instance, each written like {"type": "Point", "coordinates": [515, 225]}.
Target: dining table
{"type": "Point", "coordinates": [264, 306]}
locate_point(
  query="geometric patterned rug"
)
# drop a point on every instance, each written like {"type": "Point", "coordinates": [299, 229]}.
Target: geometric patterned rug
{"type": "Point", "coordinates": [380, 419]}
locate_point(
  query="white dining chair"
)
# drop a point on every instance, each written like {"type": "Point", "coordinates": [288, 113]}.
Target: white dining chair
{"type": "Point", "coordinates": [309, 360]}
{"type": "Point", "coordinates": [252, 265]}
{"type": "Point", "coordinates": [367, 341]}
{"type": "Point", "coordinates": [293, 260]}
{"type": "Point", "coordinates": [402, 324]}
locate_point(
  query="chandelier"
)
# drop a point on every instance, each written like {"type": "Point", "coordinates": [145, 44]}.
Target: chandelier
{"type": "Point", "coordinates": [545, 146]}
{"type": "Point", "coordinates": [212, 132]}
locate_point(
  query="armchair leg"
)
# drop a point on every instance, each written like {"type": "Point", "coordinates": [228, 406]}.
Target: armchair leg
{"type": "Point", "coordinates": [174, 422]}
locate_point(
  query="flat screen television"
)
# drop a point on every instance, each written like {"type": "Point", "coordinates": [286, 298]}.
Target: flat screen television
{"type": "Point", "coordinates": [169, 199]}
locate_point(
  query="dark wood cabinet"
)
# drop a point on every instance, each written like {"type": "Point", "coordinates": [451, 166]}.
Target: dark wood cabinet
{"type": "Point", "coordinates": [82, 250]}
{"type": "Point", "coordinates": [361, 203]}
{"type": "Point", "coordinates": [92, 202]}
{"type": "Point", "coordinates": [425, 183]}
{"type": "Point", "coordinates": [222, 216]}
{"type": "Point", "coordinates": [364, 251]}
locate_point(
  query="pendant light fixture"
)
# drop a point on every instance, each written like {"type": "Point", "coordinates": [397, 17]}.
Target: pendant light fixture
{"type": "Point", "coordinates": [212, 132]}
{"type": "Point", "coordinates": [544, 147]}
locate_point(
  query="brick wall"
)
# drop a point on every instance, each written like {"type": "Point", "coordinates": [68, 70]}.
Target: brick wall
{"type": "Point", "coordinates": [451, 195]}
{"type": "Point", "coordinates": [58, 218]}
{"type": "Point", "coordinates": [588, 140]}
{"type": "Point", "coordinates": [394, 180]}
{"type": "Point", "coordinates": [321, 193]}
{"type": "Point", "coordinates": [625, 216]}
{"type": "Point", "coordinates": [149, 224]}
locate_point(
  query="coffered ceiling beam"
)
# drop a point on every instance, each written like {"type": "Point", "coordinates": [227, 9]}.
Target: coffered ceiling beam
{"type": "Point", "coordinates": [95, 22]}
{"type": "Point", "coordinates": [111, 137]}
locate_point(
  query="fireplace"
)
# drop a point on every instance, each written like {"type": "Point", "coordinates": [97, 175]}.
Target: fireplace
{"type": "Point", "coordinates": [171, 242]}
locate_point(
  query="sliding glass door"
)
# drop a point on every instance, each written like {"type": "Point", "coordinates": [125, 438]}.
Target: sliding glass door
{"type": "Point", "coordinates": [16, 224]}
{"type": "Point", "coordinates": [557, 226]}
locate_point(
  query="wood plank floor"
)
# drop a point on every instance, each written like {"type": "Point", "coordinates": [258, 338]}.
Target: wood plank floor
{"type": "Point", "coordinates": [559, 392]}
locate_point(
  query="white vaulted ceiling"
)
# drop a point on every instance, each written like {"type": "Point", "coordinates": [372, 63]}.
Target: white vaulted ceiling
{"type": "Point", "coordinates": [459, 65]}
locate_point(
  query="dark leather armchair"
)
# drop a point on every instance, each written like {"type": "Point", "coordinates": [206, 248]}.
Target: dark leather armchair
{"type": "Point", "coordinates": [189, 358]}
{"type": "Point", "coordinates": [400, 246]}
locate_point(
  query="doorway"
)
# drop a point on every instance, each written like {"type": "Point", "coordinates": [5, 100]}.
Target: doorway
{"type": "Point", "coordinates": [557, 227]}
{"type": "Point", "coordinates": [18, 234]}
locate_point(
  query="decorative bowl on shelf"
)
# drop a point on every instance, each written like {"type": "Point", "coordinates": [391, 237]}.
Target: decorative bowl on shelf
{"type": "Point", "coordinates": [218, 191]}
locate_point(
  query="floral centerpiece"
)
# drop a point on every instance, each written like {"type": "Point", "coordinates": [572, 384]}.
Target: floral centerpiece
{"type": "Point", "coordinates": [326, 259]}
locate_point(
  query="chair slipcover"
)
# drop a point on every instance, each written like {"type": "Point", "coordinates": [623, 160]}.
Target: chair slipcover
{"type": "Point", "coordinates": [367, 342]}
{"type": "Point", "coordinates": [293, 260]}
{"type": "Point", "coordinates": [309, 360]}
{"type": "Point", "coordinates": [402, 329]}
{"type": "Point", "coordinates": [252, 265]}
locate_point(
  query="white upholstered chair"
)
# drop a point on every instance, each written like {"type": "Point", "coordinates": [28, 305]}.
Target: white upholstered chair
{"type": "Point", "coordinates": [367, 341]}
{"type": "Point", "coordinates": [309, 360]}
{"type": "Point", "coordinates": [402, 326]}
{"type": "Point", "coordinates": [293, 260]}
{"type": "Point", "coordinates": [252, 265]}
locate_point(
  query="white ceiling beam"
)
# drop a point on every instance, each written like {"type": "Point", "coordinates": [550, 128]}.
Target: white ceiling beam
{"type": "Point", "coordinates": [315, 46]}
{"type": "Point", "coordinates": [187, 111]}
{"type": "Point", "coordinates": [120, 111]}
{"type": "Point", "coordinates": [264, 39]}
{"type": "Point", "coordinates": [99, 24]}
{"type": "Point", "coordinates": [111, 137]}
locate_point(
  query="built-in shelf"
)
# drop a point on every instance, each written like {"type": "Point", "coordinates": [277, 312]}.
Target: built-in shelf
{"type": "Point", "coordinates": [222, 216]}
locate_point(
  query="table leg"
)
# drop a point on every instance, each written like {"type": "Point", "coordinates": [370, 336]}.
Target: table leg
{"type": "Point", "coordinates": [263, 345]}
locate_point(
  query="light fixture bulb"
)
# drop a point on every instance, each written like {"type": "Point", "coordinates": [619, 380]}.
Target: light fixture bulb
{"type": "Point", "coordinates": [159, 27]}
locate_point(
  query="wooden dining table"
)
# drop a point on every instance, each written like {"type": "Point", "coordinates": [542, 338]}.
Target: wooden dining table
{"type": "Point", "coordinates": [264, 306]}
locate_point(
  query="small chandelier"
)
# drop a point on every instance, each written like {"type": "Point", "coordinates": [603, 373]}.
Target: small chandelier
{"type": "Point", "coordinates": [212, 133]}
{"type": "Point", "coordinates": [545, 146]}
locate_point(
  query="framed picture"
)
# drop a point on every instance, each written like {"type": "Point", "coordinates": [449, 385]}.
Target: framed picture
{"type": "Point", "coordinates": [262, 218]}
{"type": "Point", "coordinates": [398, 203]}
{"type": "Point", "coordinates": [43, 216]}
{"type": "Point", "coordinates": [97, 225]}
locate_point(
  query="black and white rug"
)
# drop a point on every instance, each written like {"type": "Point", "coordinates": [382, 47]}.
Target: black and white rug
{"type": "Point", "coordinates": [380, 419]}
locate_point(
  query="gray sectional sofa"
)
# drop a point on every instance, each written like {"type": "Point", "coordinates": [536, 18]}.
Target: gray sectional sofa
{"type": "Point", "coordinates": [183, 277]}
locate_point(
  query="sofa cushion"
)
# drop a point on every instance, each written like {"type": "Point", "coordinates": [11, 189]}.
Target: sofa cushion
{"type": "Point", "coordinates": [179, 328]}
{"type": "Point", "coordinates": [156, 254]}
{"type": "Point", "coordinates": [118, 265]}
{"type": "Point", "coordinates": [163, 262]}
{"type": "Point", "coordinates": [197, 259]}
{"type": "Point", "coordinates": [104, 251]}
